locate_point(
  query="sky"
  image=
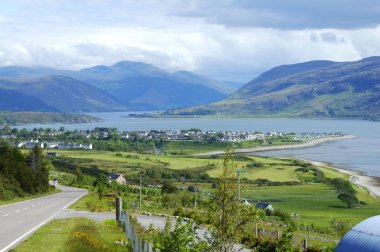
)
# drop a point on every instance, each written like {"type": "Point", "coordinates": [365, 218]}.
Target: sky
{"type": "Point", "coordinates": [223, 39]}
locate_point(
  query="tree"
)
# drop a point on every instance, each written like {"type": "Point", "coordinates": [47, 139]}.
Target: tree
{"type": "Point", "coordinates": [346, 191]}
{"type": "Point", "coordinates": [340, 226]}
{"type": "Point", "coordinates": [182, 238]}
{"type": "Point", "coordinates": [16, 176]}
{"type": "Point", "coordinates": [350, 199]}
{"type": "Point", "coordinates": [228, 216]}
{"type": "Point", "coordinates": [169, 187]}
{"type": "Point", "coordinates": [102, 183]}
{"type": "Point", "coordinates": [37, 163]}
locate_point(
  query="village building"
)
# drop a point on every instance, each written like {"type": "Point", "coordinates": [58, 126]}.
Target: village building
{"type": "Point", "coordinates": [119, 178]}
{"type": "Point", "coordinates": [264, 206]}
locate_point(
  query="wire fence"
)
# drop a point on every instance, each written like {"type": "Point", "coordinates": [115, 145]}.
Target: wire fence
{"type": "Point", "coordinates": [137, 244]}
{"type": "Point", "coordinates": [302, 240]}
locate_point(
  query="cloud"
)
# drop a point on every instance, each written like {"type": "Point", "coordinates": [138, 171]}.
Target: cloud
{"type": "Point", "coordinates": [327, 37]}
{"type": "Point", "coordinates": [290, 14]}
{"type": "Point", "coordinates": [231, 40]}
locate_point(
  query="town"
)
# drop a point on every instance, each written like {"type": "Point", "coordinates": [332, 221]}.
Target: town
{"type": "Point", "coordinates": [84, 139]}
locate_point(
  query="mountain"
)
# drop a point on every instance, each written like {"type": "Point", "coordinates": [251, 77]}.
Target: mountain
{"type": "Point", "coordinates": [120, 70]}
{"type": "Point", "coordinates": [141, 86]}
{"type": "Point", "coordinates": [201, 80]}
{"type": "Point", "coordinates": [129, 85]}
{"type": "Point", "coordinates": [16, 101]}
{"type": "Point", "coordinates": [234, 85]}
{"type": "Point", "coordinates": [155, 93]}
{"type": "Point", "coordinates": [310, 89]}
{"type": "Point", "coordinates": [21, 72]}
{"type": "Point", "coordinates": [62, 93]}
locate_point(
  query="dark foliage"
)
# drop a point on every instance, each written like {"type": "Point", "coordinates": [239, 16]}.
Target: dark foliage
{"type": "Point", "coordinates": [346, 191]}
{"type": "Point", "coordinates": [20, 175]}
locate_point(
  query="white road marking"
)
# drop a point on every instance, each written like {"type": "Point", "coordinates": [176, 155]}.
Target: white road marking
{"type": "Point", "coordinates": [17, 211]}
{"type": "Point", "coordinates": [26, 208]}
{"type": "Point", "coordinates": [5, 215]}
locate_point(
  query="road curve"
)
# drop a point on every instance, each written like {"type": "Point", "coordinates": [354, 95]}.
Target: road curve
{"type": "Point", "coordinates": [19, 220]}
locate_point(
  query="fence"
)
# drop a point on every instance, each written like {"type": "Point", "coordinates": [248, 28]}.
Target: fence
{"type": "Point", "coordinates": [137, 244]}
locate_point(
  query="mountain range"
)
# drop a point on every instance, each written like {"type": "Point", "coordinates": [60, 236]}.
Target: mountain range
{"type": "Point", "coordinates": [309, 89]}
{"type": "Point", "coordinates": [125, 85]}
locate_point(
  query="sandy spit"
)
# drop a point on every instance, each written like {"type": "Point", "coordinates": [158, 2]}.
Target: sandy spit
{"type": "Point", "coordinates": [311, 143]}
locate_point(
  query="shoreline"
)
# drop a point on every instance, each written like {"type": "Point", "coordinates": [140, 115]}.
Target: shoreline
{"type": "Point", "coordinates": [311, 143]}
{"type": "Point", "coordinates": [370, 183]}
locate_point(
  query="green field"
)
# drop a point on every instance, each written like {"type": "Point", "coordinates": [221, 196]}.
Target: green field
{"type": "Point", "coordinates": [315, 202]}
{"type": "Point", "coordinates": [273, 169]}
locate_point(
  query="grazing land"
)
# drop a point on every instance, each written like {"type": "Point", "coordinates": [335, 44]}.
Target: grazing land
{"type": "Point", "coordinates": [264, 179]}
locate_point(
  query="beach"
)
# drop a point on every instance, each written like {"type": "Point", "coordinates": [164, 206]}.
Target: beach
{"type": "Point", "coordinates": [370, 183]}
{"type": "Point", "coordinates": [311, 143]}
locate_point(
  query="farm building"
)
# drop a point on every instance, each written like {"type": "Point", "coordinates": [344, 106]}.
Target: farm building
{"type": "Point", "coordinates": [365, 236]}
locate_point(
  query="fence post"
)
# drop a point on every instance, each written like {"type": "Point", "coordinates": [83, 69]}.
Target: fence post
{"type": "Point", "coordinates": [304, 244]}
{"type": "Point", "coordinates": [256, 230]}
{"type": "Point", "coordinates": [141, 245]}
{"type": "Point", "coordinates": [118, 208]}
{"type": "Point", "coordinates": [150, 247]}
{"type": "Point", "coordinates": [136, 244]}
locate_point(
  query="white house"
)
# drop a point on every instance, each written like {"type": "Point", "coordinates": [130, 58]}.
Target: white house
{"type": "Point", "coordinates": [52, 145]}
{"type": "Point", "coordinates": [31, 145]}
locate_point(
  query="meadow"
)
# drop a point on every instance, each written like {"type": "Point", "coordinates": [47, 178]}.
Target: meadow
{"type": "Point", "coordinates": [316, 203]}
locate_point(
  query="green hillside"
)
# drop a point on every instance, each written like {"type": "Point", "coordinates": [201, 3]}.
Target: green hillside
{"type": "Point", "coordinates": [60, 93]}
{"type": "Point", "coordinates": [310, 89]}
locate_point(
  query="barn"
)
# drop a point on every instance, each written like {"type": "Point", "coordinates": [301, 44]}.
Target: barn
{"type": "Point", "coordinates": [365, 236]}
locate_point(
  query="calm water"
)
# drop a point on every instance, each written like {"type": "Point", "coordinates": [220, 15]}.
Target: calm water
{"type": "Point", "coordinates": [361, 154]}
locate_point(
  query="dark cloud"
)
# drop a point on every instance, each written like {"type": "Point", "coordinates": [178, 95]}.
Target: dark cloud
{"type": "Point", "coordinates": [289, 14]}
{"type": "Point", "coordinates": [327, 37]}
{"type": "Point", "coordinates": [314, 37]}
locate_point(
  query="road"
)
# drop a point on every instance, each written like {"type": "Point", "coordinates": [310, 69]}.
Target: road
{"type": "Point", "coordinates": [19, 220]}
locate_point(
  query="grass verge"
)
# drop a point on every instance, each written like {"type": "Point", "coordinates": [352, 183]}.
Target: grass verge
{"type": "Point", "coordinates": [76, 234]}
{"type": "Point", "coordinates": [16, 200]}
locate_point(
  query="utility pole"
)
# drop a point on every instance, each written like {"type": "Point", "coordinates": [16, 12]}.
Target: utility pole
{"type": "Point", "coordinates": [140, 194]}
{"type": "Point", "coordinates": [238, 173]}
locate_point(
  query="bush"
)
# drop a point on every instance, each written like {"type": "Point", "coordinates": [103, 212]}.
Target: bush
{"type": "Point", "coordinates": [169, 187]}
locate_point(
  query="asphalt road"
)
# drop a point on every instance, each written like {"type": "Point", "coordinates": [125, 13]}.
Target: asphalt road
{"type": "Point", "coordinates": [19, 220]}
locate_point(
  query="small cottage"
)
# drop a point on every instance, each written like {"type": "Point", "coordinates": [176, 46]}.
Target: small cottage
{"type": "Point", "coordinates": [264, 206]}
{"type": "Point", "coordinates": [118, 178]}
